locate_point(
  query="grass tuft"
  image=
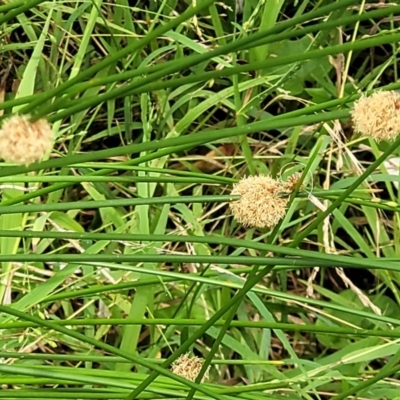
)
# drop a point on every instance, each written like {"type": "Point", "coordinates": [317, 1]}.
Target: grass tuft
{"type": "Point", "coordinates": [130, 268]}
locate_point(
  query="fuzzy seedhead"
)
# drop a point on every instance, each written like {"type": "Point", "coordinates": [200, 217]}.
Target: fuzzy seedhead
{"type": "Point", "coordinates": [261, 204]}
{"type": "Point", "coordinates": [23, 141]}
{"type": "Point", "coordinates": [290, 184]}
{"type": "Point", "coordinates": [189, 367]}
{"type": "Point", "coordinates": [377, 116]}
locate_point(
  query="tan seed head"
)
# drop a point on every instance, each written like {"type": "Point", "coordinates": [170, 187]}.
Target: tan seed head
{"type": "Point", "coordinates": [291, 182]}
{"type": "Point", "coordinates": [23, 141]}
{"type": "Point", "coordinates": [377, 116]}
{"type": "Point", "coordinates": [262, 204]}
{"type": "Point", "coordinates": [189, 367]}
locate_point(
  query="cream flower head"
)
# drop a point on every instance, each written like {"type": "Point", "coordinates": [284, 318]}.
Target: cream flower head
{"type": "Point", "coordinates": [189, 367]}
{"type": "Point", "coordinates": [23, 141]}
{"type": "Point", "coordinates": [262, 203]}
{"type": "Point", "coordinates": [377, 116]}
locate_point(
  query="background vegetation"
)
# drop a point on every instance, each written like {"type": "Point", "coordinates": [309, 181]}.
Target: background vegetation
{"type": "Point", "coordinates": [119, 252]}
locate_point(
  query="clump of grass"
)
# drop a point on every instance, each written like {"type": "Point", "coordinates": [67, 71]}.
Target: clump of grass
{"type": "Point", "coordinates": [112, 240]}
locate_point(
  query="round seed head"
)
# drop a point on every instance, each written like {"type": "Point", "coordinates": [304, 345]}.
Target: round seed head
{"type": "Point", "coordinates": [189, 367]}
{"type": "Point", "coordinates": [262, 204]}
{"type": "Point", "coordinates": [378, 116]}
{"type": "Point", "coordinates": [290, 184]}
{"type": "Point", "coordinates": [23, 141]}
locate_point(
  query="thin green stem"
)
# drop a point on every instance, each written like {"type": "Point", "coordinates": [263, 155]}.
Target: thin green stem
{"type": "Point", "coordinates": [94, 259]}
{"type": "Point", "coordinates": [84, 205]}
{"type": "Point", "coordinates": [325, 329]}
{"type": "Point", "coordinates": [127, 179]}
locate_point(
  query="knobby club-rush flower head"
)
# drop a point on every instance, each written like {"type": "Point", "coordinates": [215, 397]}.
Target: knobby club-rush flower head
{"type": "Point", "coordinates": [23, 141]}
{"type": "Point", "coordinates": [377, 116]}
{"type": "Point", "coordinates": [261, 204]}
{"type": "Point", "coordinates": [189, 367]}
